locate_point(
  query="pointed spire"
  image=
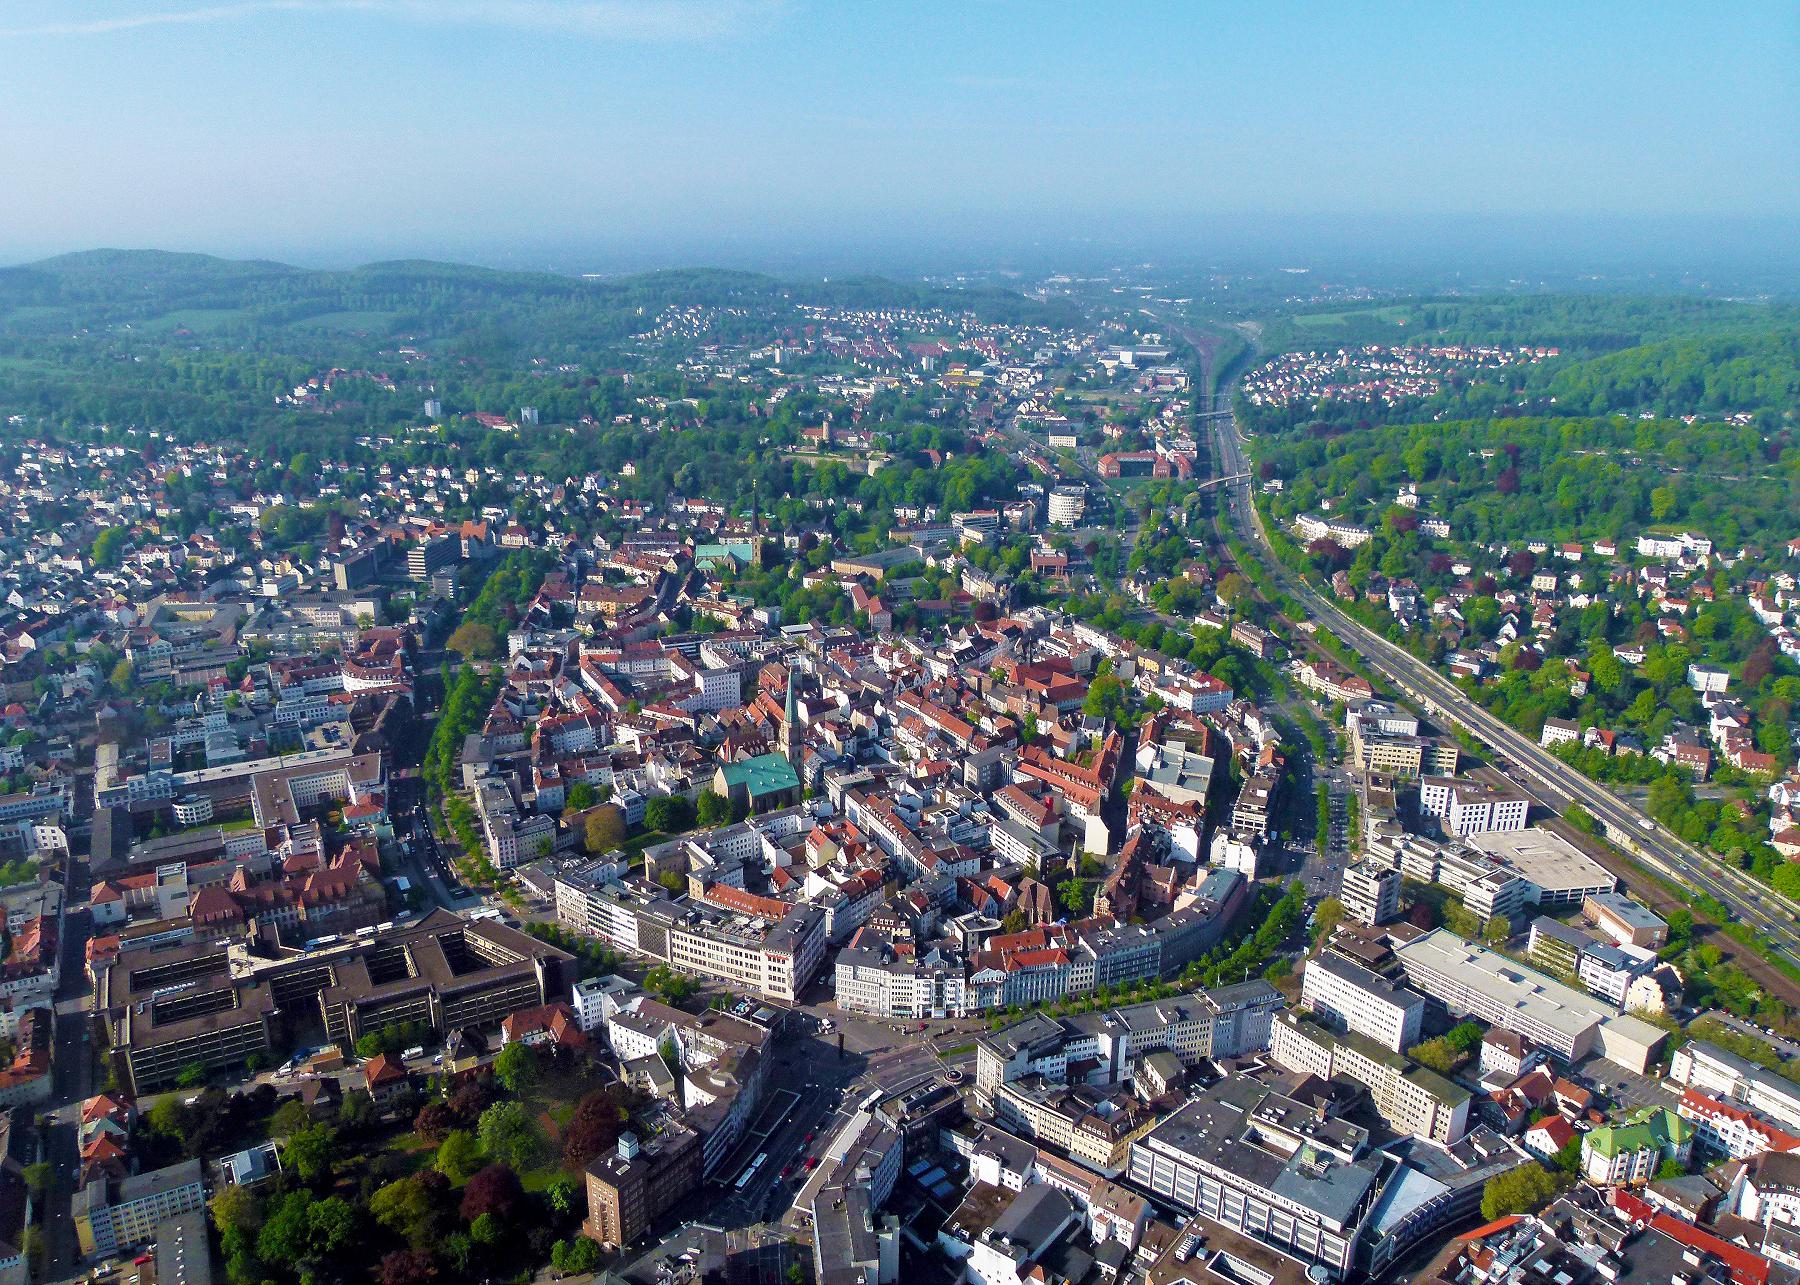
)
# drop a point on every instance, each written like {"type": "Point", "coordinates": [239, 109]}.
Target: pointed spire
{"type": "Point", "coordinates": [790, 722]}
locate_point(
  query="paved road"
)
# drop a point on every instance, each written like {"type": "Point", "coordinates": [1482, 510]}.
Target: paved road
{"type": "Point", "coordinates": [1545, 777]}
{"type": "Point", "coordinates": [426, 859]}
{"type": "Point", "coordinates": [72, 1079]}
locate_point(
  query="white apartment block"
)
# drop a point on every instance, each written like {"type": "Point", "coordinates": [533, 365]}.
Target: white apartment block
{"type": "Point", "coordinates": [1675, 545]}
{"type": "Point", "coordinates": [113, 1216]}
{"type": "Point", "coordinates": [1066, 505]}
{"type": "Point", "coordinates": [1632, 1167]}
{"type": "Point", "coordinates": [1465, 808]}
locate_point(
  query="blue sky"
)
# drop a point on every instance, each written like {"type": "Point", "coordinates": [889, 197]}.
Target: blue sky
{"type": "Point", "coordinates": [315, 129]}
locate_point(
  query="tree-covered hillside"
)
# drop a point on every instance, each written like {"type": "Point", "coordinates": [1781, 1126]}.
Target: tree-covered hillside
{"type": "Point", "coordinates": [1617, 355]}
{"type": "Point", "coordinates": [1582, 325]}
{"type": "Point", "coordinates": [208, 347]}
{"type": "Point", "coordinates": [430, 302]}
{"type": "Point", "coordinates": [1508, 480]}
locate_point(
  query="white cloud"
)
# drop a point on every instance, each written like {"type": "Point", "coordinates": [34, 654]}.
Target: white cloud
{"type": "Point", "coordinates": [647, 20]}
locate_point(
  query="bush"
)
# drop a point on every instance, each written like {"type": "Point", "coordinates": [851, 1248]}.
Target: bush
{"type": "Point", "coordinates": [574, 1256]}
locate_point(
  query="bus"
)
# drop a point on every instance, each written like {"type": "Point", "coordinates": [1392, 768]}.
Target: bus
{"type": "Point", "coordinates": [750, 1171]}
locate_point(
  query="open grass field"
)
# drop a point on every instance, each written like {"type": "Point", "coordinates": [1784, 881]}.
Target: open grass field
{"type": "Point", "coordinates": [1394, 315]}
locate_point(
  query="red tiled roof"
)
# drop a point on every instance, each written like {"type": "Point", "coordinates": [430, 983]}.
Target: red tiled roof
{"type": "Point", "coordinates": [382, 1069]}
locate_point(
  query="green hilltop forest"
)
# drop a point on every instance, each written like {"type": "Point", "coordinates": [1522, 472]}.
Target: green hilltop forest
{"type": "Point", "coordinates": [1662, 355]}
{"type": "Point", "coordinates": [202, 346]}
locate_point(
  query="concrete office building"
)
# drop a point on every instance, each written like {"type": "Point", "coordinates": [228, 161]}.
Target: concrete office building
{"type": "Point", "coordinates": [878, 981]}
{"type": "Point", "coordinates": [1350, 997]}
{"type": "Point", "coordinates": [1370, 894]}
{"type": "Point", "coordinates": [1469, 980]}
{"type": "Point", "coordinates": [1250, 813]}
{"type": "Point", "coordinates": [1266, 1167]}
{"type": "Point", "coordinates": [1557, 874]}
{"type": "Point", "coordinates": [1625, 976]}
{"type": "Point", "coordinates": [1737, 1081]}
{"type": "Point", "coordinates": [1733, 1131]}
{"type": "Point", "coordinates": [773, 948]}
{"type": "Point", "coordinates": [852, 1243]}
{"type": "Point", "coordinates": [1624, 921]}
{"type": "Point", "coordinates": [430, 555]}
{"type": "Point", "coordinates": [1094, 1125]}
{"type": "Point", "coordinates": [1411, 1099]}
{"type": "Point", "coordinates": [1008, 1252]}
{"type": "Point", "coordinates": [1487, 888]}
{"type": "Point", "coordinates": [1261, 1168]}
{"type": "Point", "coordinates": [1227, 1022]}
{"type": "Point", "coordinates": [1466, 808]}
{"type": "Point", "coordinates": [1497, 873]}
{"type": "Point", "coordinates": [1402, 754]}
{"type": "Point", "coordinates": [216, 1003]}
{"type": "Point", "coordinates": [639, 1181]}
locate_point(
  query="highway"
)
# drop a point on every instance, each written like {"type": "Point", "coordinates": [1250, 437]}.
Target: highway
{"type": "Point", "coordinates": [1546, 778]}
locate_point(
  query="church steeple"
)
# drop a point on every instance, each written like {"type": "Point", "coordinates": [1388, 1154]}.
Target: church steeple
{"type": "Point", "coordinates": [790, 722]}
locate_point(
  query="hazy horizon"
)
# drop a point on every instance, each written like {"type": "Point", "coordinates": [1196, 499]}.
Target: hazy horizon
{"type": "Point", "coordinates": [1726, 256]}
{"type": "Point", "coordinates": [603, 135]}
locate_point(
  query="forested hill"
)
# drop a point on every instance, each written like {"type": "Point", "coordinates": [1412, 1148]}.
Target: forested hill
{"type": "Point", "coordinates": [1618, 355]}
{"type": "Point", "coordinates": [238, 299]}
{"type": "Point", "coordinates": [1581, 325]}
{"type": "Point", "coordinates": [1728, 372]}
